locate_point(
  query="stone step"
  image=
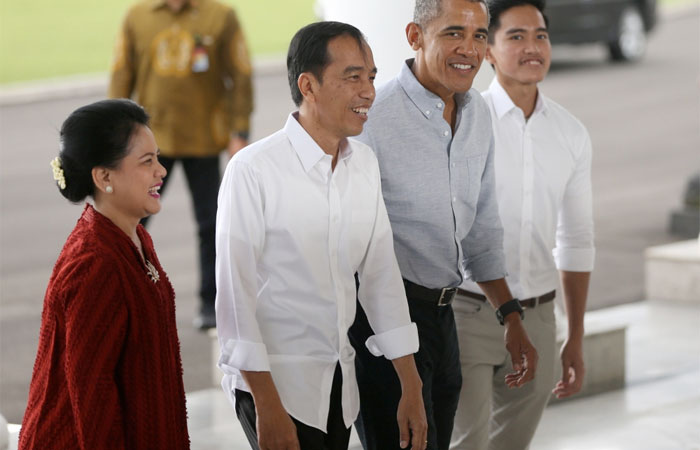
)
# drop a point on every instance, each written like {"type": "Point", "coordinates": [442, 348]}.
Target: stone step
{"type": "Point", "coordinates": [9, 435]}
{"type": "Point", "coordinates": [672, 271]}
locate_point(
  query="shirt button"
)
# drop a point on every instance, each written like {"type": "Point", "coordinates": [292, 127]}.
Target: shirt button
{"type": "Point", "coordinates": [454, 199]}
{"type": "Point", "coordinates": [445, 133]}
{"type": "Point", "coordinates": [439, 105]}
{"type": "Point", "coordinates": [427, 112]}
{"type": "Point", "coordinates": [453, 164]}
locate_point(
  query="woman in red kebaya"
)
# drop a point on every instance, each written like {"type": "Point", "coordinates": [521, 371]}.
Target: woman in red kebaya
{"type": "Point", "coordinates": [108, 372]}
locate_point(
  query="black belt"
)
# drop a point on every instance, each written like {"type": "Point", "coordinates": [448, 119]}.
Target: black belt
{"type": "Point", "coordinates": [438, 297]}
{"type": "Point", "coordinates": [526, 303]}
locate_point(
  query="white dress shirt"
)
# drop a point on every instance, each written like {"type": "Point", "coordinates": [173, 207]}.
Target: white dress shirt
{"type": "Point", "coordinates": [290, 235]}
{"type": "Point", "coordinates": [543, 186]}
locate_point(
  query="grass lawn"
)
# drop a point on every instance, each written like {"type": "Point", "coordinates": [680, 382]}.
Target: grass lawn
{"type": "Point", "coordinates": [52, 38]}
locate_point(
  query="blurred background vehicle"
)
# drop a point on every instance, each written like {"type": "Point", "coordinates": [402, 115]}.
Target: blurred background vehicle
{"type": "Point", "coordinates": [623, 25]}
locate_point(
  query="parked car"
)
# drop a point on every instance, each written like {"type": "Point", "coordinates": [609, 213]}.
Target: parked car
{"type": "Point", "coordinates": [621, 24]}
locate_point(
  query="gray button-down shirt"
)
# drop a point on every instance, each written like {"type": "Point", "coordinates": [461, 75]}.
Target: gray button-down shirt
{"type": "Point", "coordinates": [439, 188]}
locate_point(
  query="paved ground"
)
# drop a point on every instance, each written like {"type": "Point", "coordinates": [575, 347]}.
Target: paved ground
{"type": "Point", "coordinates": [643, 120]}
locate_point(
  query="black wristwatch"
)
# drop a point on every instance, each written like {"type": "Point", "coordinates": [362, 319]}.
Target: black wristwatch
{"type": "Point", "coordinates": [508, 307]}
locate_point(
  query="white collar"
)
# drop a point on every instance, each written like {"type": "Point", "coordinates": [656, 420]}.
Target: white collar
{"type": "Point", "coordinates": [503, 104]}
{"type": "Point", "coordinates": [309, 152]}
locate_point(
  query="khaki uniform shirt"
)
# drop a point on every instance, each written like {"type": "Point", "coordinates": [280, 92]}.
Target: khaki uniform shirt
{"type": "Point", "coordinates": [190, 70]}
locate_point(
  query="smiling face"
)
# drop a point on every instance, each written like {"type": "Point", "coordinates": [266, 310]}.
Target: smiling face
{"type": "Point", "coordinates": [450, 48]}
{"type": "Point", "coordinates": [137, 179]}
{"type": "Point", "coordinates": [345, 92]}
{"type": "Point", "coordinates": [520, 52]}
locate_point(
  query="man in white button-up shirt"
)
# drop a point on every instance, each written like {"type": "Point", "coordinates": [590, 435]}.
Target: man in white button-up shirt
{"type": "Point", "coordinates": [543, 185]}
{"type": "Point", "coordinates": [300, 212]}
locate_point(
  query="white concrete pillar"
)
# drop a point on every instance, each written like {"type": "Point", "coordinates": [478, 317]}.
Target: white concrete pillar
{"type": "Point", "coordinates": [383, 22]}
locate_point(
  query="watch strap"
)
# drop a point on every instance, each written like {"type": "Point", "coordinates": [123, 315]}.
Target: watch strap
{"type": "Point", "coordinates": [507, 308]}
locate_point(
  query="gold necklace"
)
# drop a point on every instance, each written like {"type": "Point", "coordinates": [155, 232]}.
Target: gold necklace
{"type": "Point", "coordinates": [152, 271]}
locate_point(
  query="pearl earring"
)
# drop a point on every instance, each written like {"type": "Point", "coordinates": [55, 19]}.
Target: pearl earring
{"type": "Point", "coordinates": [109, 189]}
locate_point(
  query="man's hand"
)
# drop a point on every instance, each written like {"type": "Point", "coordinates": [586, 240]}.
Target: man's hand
{"type": "Point", "coordinates": [572, 369]}
{"type": "Point", "coordinates": [575, 286]}
{"type": "Point", "coordinates": [236, 143]}
{"type": "Point", "coordinates": [276, 431]}
{"type": "Point", "coordinates": [522, 353]}
{"type": "Point", "coordinates": [413, 425]}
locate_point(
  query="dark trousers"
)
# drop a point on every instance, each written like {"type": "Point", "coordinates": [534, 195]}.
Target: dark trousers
{"type": "Point", "coordinates": [310, 438]}
{"type": "Point", "coordinates": [438, 365]}
{"type": "Point", "coordinates": [202, 175]}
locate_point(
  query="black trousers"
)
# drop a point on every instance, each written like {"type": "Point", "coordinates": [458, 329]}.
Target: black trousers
{"type": "Point", "coordinates": [203, 176]}
{"type": "Point", "coordinates": [438, 365]}
{"type": "Point", "coordinates": [310, 438]}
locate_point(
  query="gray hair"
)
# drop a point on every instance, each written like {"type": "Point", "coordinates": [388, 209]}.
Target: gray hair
{"type": "Point", "coordinates": [426, 11]}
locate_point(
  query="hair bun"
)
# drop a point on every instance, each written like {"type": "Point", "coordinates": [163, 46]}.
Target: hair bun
{"type": "Point", "coordinates": [95, 135]}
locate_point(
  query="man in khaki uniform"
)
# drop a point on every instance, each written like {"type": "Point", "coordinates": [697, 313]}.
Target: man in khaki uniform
{"type": "Point", "coordinates": [187, 63]}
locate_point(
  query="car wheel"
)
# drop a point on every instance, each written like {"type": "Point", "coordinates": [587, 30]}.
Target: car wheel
{"type": "Point", "coordinates": [630, 41]}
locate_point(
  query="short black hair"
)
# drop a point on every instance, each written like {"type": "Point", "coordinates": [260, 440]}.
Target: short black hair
{"type": "Point", "coordinates": [498, 7]}
{"type": "Point", "coordinates": [308, 51]}
{"type": "Point", "coordinates": [96, 135]}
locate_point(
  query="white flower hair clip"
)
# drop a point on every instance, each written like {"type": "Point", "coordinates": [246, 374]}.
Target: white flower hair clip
{"type": "Point", "coordinates": [58, 172]}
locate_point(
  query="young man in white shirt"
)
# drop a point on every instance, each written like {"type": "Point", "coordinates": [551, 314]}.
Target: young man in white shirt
{"type": "Point", "coordinates": [300, 212]}
{"type": "Point", "coordinates": [543, 185]}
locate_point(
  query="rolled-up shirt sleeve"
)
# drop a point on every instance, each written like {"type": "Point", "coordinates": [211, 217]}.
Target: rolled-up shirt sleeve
{"type": "Point", "coordinates": [483, 246]}
{"type": "Point", "coordinates": [575, 250]}
{"type": "Point", "coordinates": [381, 291]}
{"type": "Point", "coordinates": [394, 343]}
{"type": "Point", "coordinates": [240, 235]}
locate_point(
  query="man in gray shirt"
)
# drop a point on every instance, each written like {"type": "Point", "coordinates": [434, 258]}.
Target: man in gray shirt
{"type": "Point", "coordinates": [432, 136]}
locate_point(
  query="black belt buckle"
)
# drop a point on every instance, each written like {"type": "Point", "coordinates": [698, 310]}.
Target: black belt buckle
{"type": "Point", "coordinates": [446, 296]}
